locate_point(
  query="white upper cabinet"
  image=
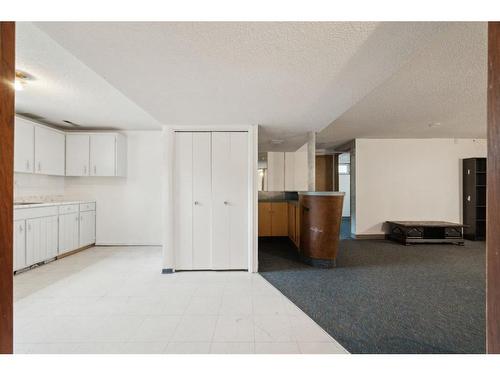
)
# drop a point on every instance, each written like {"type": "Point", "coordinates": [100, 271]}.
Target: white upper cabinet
{"type": "Point", "coordinates": [43, 150]}
{"type": "Point", "coordinates": [24, 146]}
{"type": "Point", "coordinates": [287, 171]}
{"type": "Point", "coordinates": [301, 174]}
{"type": "Point", "coordinates": [49, 151]}
{"type": "Point", "coordinates": [275, 171]}
{"type": "Point", "coordinates": [108, 155]}
{"type": "Point", "coordinates": [77, 154]}
{"type": "Point", "coordinates": [290, 171]}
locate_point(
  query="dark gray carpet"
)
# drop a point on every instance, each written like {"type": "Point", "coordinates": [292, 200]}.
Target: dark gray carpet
{"type": "Point", "coordinates": [387, 298]}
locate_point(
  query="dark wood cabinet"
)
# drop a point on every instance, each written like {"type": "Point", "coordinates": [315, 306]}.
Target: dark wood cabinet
{"type": "Point", "coordinates": [474, 198]}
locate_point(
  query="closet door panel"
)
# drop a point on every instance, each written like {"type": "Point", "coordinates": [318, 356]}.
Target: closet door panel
{"type": "Point", "coordinates": [202, 201]}
{"type": "Point", "coordinates": [183, 202]}
{"type": "Point", "coordinates": [221, 182]}
{"type": "Point", "coordinates": [238, 201]}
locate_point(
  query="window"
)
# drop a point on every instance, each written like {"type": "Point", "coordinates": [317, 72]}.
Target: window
{"type": "Point", "coordinates": [344, 169]}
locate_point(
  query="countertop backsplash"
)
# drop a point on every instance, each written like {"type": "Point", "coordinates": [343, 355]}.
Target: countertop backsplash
{"type": "Point", "coordinates": [278, 196]}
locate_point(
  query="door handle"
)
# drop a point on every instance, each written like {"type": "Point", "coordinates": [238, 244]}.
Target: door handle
{"type": "Point", "coordinates": [196, 203]}
{"type": "Point", "coordinates": [226, 203]}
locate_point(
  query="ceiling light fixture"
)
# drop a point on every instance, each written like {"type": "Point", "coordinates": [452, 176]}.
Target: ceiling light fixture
{"type": "Point", "coordinates": [21, 80]}
{"type": "Point", "coordinates": [434, 124]}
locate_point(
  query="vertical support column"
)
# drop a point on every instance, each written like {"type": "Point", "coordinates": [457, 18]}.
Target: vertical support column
{"type": "Point", "coordinates": [7, 73]}
{"type": "Point", "coordinates": [311, 161]}
{"type": "Point", "coordinates": [336, 177]}
{"type": "Point", "coordinates": [168, 265]}
{"type": "Point", "coordinates": [493, 193]}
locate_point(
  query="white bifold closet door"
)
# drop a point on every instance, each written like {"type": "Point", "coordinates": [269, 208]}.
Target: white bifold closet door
{"type": "Point", "coordinates": [230, 191]}
{"type": "Point", "coordinates": [193, 201]}
{"type": "Point", "coordinates": [211, 200]}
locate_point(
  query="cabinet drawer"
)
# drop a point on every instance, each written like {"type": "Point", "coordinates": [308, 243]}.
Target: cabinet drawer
{"type": "Point", "coordinates": [35, 212]}
{"type": "Point", "coordinates": [87, 206]}
{"type": "Point", "coordinates": [68, 209]}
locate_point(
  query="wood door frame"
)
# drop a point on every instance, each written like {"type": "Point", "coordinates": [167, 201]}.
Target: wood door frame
{"type": "Point", "coordinates": [7, 72]}
{"type": "Point", "coordinates": [493, 193]}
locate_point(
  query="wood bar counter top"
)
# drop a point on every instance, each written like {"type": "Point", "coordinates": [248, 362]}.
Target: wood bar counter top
{"type": "Point", "coordinates": [321, 216]}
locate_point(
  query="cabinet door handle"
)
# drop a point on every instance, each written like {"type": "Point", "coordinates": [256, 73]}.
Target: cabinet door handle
{"type": "Point", "coordinates": [84, 169]}
{"type": "Point", "coordinates": [226, 203]}
{"type": "Point", "coordinates": [20, 228]}
{"type": "Point", "coordinates": [27, 165]}
{"type": "Point", "coordinates": [95, 170]}
{"type": "Point", "coordinates": [39, 166]}
{"type": "Point", "coordinates": [196, 203]}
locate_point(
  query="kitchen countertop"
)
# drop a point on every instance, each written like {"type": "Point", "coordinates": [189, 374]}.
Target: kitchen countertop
{"type": "Point", "coordinates": [322, 193]}
{"type": "Point", "coordinates": [47, 204]}
{"type": "Point", "coordinates": [293, 201]}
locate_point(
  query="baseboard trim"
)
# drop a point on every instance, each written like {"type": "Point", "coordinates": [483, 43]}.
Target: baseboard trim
{"type": "Point", "coordinates": [74, 251]}
{"type": "Point", "coordinates": [381, 236]}
{"type": "Point", "coordinates": [126, 244]}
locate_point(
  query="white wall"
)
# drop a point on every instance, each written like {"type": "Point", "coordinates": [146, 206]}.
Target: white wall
{"type": "Point", "coordinates": [128, 209]}
{"type": "Point", "coordinates": [35, 187]}
{"type": "Point", "coordinates": [345, 185]}
{"type": "Point", "coordinates": [410, 179]}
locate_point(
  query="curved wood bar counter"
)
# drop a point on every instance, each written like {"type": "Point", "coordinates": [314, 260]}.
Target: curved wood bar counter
{"type": "Point", "coordinates": [320, 217]}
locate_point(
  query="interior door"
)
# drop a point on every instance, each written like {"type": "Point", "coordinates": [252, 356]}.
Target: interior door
{"type": "Point", "coordinates": [221, 155]}
{"type": "Point", "coordinates": [77, 154]}
{"type": "Point", "coordinates": [202, 201]}
{"type": "Point", "coordinates": [230, 200]}
{"type": "Point", "coordinates": [102, 154]}
{"type": "Point", "coordinates": [24, 146]}
{"type": "Point", "coordinates": [183, 202]}
{"type": "Point", "coordinates": [238, 201]}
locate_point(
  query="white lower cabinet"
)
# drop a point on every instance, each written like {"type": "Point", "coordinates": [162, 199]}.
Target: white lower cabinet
{"type": "Point", "coordinates": [42, 233]}
{"type": "Point", "coordinates": [19, 244]}
{"type": "Point", "coordinates": [87, 228]}
{"type": "Point", "coordinates": [41, 239]}
{"type": "Point", "coordinates": [68, 232]}
{"type": "Point", "coordinates": [211, 200]}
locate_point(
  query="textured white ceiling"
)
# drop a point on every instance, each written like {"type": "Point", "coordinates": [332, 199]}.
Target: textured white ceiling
{"type": "Point", "coordinates": [66, 89]}
{"type": "Point", "coordinates": [288, 77]}
{"type": "Point", "coordinates": [444, 83]}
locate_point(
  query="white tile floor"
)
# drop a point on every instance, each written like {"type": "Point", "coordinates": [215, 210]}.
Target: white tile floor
{"type": "Point", "coordinates": [115, 300]}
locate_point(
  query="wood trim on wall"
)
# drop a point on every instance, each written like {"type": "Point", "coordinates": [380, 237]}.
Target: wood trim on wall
{"type": "Point", "coordinates": [324, 172]}
{"type": "Point", "coordinates": [7, 72]}
{"type": "Point", "coordinates": [336, 176]}
{"type": "Point", "coordinates": [493, 193]}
